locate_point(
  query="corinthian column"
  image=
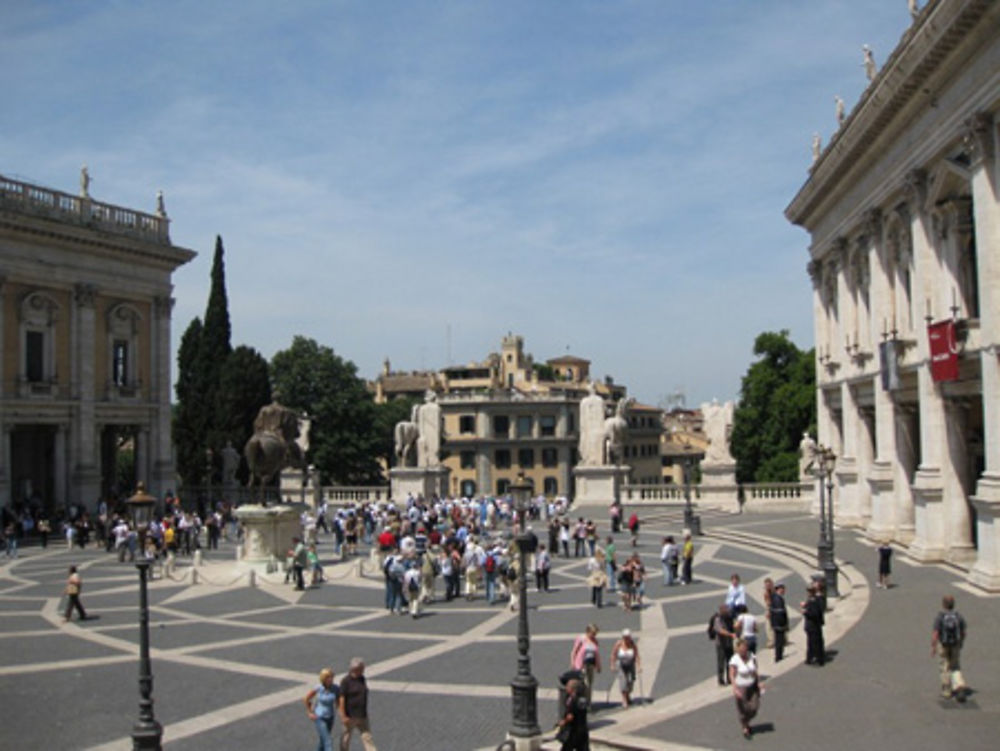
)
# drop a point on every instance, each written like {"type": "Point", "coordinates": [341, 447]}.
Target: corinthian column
{"type": "Point", "coordinates": [86, 472]}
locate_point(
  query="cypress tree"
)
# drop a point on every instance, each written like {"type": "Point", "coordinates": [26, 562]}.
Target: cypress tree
{"type": "Point", "coordinates": [189, 415]}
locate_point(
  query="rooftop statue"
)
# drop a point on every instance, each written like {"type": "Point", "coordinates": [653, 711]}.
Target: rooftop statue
{"type": "Point", "coordinates": [839, 110]}
{"type": "Point", "coordinates": [817, 147]}
{"type": "Point", "coordinates": [84, 182]}
{"type": "Point", "coordinates": [869, 62]}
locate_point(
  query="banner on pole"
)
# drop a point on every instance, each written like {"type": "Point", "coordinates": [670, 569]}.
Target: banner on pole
{"type": "Point", "coordinates": [944, 351]}
{"type": "Point", "coordinates": [889, 365]}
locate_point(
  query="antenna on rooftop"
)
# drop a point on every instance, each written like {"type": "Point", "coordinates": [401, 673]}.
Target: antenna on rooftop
{"type": "Point", "coordinates": [447, 337]}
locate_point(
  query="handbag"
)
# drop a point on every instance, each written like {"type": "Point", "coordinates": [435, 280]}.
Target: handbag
{"type": "Point", "coordinates": [563, 734]}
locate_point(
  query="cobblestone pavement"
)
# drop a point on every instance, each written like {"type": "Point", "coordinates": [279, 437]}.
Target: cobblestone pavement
{"type": "Point", "coordinates": [231, 663]}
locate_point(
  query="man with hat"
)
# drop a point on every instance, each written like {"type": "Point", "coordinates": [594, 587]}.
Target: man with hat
{"type": "Point", "coordinates": [779, 620]}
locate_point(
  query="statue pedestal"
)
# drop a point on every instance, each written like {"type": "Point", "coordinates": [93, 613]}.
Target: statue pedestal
{"type": "Point", "coordinates": [420, 481]}
{"type": "Point", "coordinates": [298, 486]}
{"type": "Point", "coordinates": [723, 473]}
{"type": "Point", "coordinates": [598, 485]}
{"type": "Point", "coordinates": [268, 531]}
{"type": "Point", "coordinates": [718, 486]}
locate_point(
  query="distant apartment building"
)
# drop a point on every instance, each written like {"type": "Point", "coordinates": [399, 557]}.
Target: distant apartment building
{"type": "Point", "coordinates": [507, 416]}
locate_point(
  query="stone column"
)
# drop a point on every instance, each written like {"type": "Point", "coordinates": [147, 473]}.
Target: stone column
{"type": "Point", "coordinates": [160, 463]}
{"type": "Point", "coordinates": [562, 458]}
{"type": "Point", "coordinates": [955, 482]}
{"type": "Point", "coordinates": [484, 475]}
{"type": "Point", "coordinates": [86, 478]}
{"type": "Point", "coordinates": [929, 518]}
{"type": "Point", "coordinates": [846, 501]}
{"type": "Point", "coordinates": [982, 139]}
{"type": "Point", "coordinates": [907, 439]}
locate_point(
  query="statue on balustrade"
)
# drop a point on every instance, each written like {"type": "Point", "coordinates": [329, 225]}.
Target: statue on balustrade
{"type": "Point", "coordinates": [592, 413]}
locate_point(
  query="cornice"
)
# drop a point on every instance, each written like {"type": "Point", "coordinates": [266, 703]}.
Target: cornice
{"type": "Point", "coordinates": [922, 52]}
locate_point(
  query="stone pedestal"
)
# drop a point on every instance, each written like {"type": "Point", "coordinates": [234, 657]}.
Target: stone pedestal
{"type": "Point", "coordinates": [598, 485]}
{"type": "Point", "coordinates": [298, 486]}
{"type": "Point", "coordinates": [715, 475]}
{"type": "Point", "coordinates": [268, 531]}
{"type": "Point", "coordinates": [986, 571]}
{"type": "Point", "coordinates": [420, 481]}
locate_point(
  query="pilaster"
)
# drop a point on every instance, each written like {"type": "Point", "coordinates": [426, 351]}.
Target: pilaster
{"type": "Point", "coordinates": [160, 463]}
{"type": "Point", "coordinates": [86, 472]}
{"type": "Point", "coordinates": [61, 467]}
{"type": "Point", "coordinates": [847, 499]}
{"type": "Point", "coordinates": [955, 481]}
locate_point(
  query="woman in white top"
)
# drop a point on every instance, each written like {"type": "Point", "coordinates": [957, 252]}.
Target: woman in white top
{"type": "Point", "coordinates": [747, 687]}
{"type": "Point", "coordinates": [746, 629]}
{"type": "Point", "coordinates": [625, 657]}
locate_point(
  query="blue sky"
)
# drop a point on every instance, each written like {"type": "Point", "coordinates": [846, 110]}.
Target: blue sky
{"type": "Point", "coordinates": [604, 178]}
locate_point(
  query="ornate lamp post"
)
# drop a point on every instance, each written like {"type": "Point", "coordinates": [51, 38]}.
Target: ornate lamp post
{"type": "Point", "coordinates": [691, 521]}
{"type": "Point", "coordinates": [147, 732]}
{"type": "Point", "coordinates": [825, 460]}
{"type": "Point", "coordinates": [524, 688]}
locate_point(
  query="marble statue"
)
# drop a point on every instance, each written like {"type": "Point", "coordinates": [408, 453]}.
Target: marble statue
{"type": "Point", "coordinates": [428, 419]}
{"type": "Point", "coordinates": [839, 110]}
{"type": "Point", "coordinates": [230, 463]}
{"type": "Point", "coordinates": [84, 182]}
{"type": "Point", "coordinates": [718, 427]}
{"type": "Point", "coordinates": [161, 210]}
{"type": "Point", "coordinates": [817, 147]}
{"type": "Point", "coordinates": [914, 8]}
{"type": "Point", "coordinates": [807, 454]}
{"type": "Point", "coordinates": [406, 434]}
{"type": "Point", "coordinates": [274, 443]}
{"type": "Point", "coordinates": [591, 447]}
{"type": "Point", "coordinates": [869, 62]}
{"type": "Point", "coordinates": [615, 432]}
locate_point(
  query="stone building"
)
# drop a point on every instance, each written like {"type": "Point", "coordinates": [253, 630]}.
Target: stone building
{"type": "Point", "coordinates": [505, 416]}
{"type": "Point", "coordinates": [84, 345]}
{"type": "Point", "coordinates": [902, 209]}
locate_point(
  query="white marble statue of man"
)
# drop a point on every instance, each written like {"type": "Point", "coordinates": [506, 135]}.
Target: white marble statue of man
{"type": "Point", "coordinates": [718, 426]}
{"type": "Point", "coordinates": [869, 62]}
{"type": "Point", "coordinates": [84, 182]}
{"type": "Point", "coordinates": [839, 110]}
{"type": "Point", "coordinates": [817, 147]}
{"type": "Point", "coordinates": [592, 429]}
{"type": "Point", "coordinates": [807, 452]}
{"type": "Point", "coordinates": [429, 429]}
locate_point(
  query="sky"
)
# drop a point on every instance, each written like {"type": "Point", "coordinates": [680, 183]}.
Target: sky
{"type": "Point", "coordinates": [415, 179]}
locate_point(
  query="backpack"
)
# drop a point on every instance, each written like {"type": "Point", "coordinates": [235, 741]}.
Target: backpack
{"type": "Point", "coordinates": [491, 564]}
{"type": "Point", "coordinates": [951, 629]}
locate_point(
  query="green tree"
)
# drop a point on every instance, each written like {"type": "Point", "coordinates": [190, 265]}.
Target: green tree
{"type": "Point", "coordinates": [244, 387]}
{"type": "Point", "coordinates": [343, 441]}
{"type": "Point", "coordinates": [777, 404]}
{"type": "Point", "coordinates": [214, 351]}
{"type": "Point", "coordinates": [190, 423]}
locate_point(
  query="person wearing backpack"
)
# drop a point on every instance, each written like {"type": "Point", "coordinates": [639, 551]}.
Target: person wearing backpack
{"type": "Point", "coordinates": [946, 642]}
{"type": "Point", "coordinates": [542, 565]}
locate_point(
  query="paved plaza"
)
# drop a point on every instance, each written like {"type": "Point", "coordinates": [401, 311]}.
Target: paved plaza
{"type": "Point", "coordinates": [232, 662]}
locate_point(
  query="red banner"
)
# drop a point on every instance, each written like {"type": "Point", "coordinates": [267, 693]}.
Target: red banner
{"type": "Point", "coordinates": [944, 351]}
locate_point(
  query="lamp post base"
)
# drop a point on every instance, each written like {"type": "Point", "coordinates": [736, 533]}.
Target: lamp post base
{"type": "Point", "coordinates": [147, 736]}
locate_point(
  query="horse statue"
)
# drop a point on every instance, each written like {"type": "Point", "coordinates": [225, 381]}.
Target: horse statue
{"type": "Point", "coordinates": [273, 445]}
{"type": "Point", "coordinates": [406, 434]}
{"type": "Point", "coordinates": [615, 430]}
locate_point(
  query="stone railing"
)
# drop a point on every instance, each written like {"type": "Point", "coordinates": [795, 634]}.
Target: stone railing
{"type": "Point", "coordinates": [44, 202]}
{"type": "Point", "coordinates": [761, 496]}
{"type": "Point", "coordinates": [338, 494]}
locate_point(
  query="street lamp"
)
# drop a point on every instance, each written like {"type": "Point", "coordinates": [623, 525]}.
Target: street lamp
{"type": "Point", "coordinates": [825, 460]}
{"type": "Point", "coordinates": [524, 687]}
{"type": "Point", "coordinates": [147, 732]}
{"type": "Point", "coordinates": [691, 521]}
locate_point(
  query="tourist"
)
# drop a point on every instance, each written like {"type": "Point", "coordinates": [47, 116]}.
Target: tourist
{"type": "Point", "coordinates": [625, 580]}
{"type": "Point", "coordinates": [687, 556]}
{"type": "Point", "coordinates": [429, 567]}
{"type": "Point", "coordinates": [10, 538]}
{"type": "Point", "coordinates": [411, 583]}
{"type": "Point", "coordinates": [668, 553]}
{"type": "Point", "coordinates": [779, 621]}
{"type": "Point", "coordinates": [947, 639]}
{"type": "Point", "coordinates": [352, 704]}
{"type": "Point", "coordinates": [315, 568]}
{"type": "Point", "coordinates": [573, 732]}
{"type": "Point", "coordinates": [812, 611]}
{"type": "Point", "coordinates": [579, 536]}
{"type": "Point", "coordinates": [320, 703]}
{"type": "Point", "coordinates": [72, 591]}
{"type": "Point", "coordinates": [736, 595]}
{"type": "Point", "coordinates": [884, 564]}
{"type": "Point", "coordinates": [554, 527]}
{"type": "Point", "coordinates": [597, 578]}
{"type": "Point", "coordinates": [543, 563]}
{"type": "Point", "coordinates": [625, 656]}
{"type": "Point", "coordinates": [638, 589]}
{"type": "Point", "coordinates": [585, 656]}
{"type": "Point", "coordinates": [633, 527]}
{"type": "Point", "coordinates": [591, 532]}
{"type": "Point", "coordinates": [746, 627]}
{"type": "Point", "coordinates": [616, 517]}
{"type": "Point", "coordinates": [767, 595]}
{"type": "Point", "coordinates": [300, 559]}
{"type": "Point", "coordinates": [564, 537]}
{"type": "Point", "coordinates": [611, 561]}
{"type": "Point", "coordinates": [720, 630]}
{"type": "Point", "coordinates": [747, 686]}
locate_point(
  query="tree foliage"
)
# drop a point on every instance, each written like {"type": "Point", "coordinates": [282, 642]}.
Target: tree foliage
{"type": "Point", "coordinates": [343, 440]}
{"type": "Point", "coordinates": [189, 423]}
{"type": "Point", "coordinates": [244, 387]}
{"type": "Point", "coordinates": [777, 404]}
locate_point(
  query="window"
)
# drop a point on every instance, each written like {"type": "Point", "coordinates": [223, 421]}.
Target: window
{"type": "Point", "coordinates": [550, 485]}
{"type": "Point", "coordinates": [501, 426]}
{"type": "Point", "coordinates": [468, 459]}
{"type": "Point", "coordinates": [502, 459]}
{"type": "Point", "coordinates": [526, 458]}
{"type": "Point", "coordinates": [34, 356]}
{"type": "Point", "coordinates": [502, 486]}
{"type": "Point", "coordinates": [547, 425]}
{"type": "Point", "coordinates": [571, 422]}
{"type": "Point", "coordinates": [468, 488]}
{"type": "Point", "coordinates": [123, 344]}
{"type": "Point", "coordinates": [467, 424]}
{"type": "Point", "coordinates": [524, 426]}
{"type": "Point", "coordinates": [550, 457]}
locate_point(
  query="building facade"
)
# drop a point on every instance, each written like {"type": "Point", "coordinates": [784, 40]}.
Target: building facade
{"type": "Point", "coordinates": [84, 345]}
{"type": "Point", "coordinates": [507, 417]}
{"type": "Point", "coordinates": [902, 208]}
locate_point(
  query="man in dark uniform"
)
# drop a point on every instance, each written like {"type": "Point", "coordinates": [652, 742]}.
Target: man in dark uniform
{"type": "Point", "coordinates": [573, 732]}
{"type": "Point", "coordinates": [779, 621]}
{"type": "Point", "coordinates": [812, 611]}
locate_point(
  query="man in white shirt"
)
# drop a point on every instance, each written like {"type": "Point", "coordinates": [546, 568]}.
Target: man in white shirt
{"type": "Point", "coordinates": [736, 596]}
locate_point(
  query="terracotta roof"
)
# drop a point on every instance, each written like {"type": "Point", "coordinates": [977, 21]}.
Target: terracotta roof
{"type": "Point", "coordinates": [567, 360]}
